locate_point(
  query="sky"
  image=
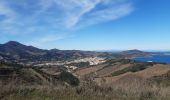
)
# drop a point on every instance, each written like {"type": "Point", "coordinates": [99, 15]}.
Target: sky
{"type": "Point", "coordinates": [87, 24]}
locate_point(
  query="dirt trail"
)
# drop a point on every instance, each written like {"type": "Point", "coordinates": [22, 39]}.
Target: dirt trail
{"type": "Point", "coordinates": [111, 69]}
{"type": "Point", "coordinates": [85, 71]}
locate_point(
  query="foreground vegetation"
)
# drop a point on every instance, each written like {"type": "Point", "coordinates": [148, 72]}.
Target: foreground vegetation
{"type": "Point", "coordinates": [85, 91]}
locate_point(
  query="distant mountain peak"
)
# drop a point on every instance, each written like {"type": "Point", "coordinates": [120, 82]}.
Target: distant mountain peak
{"type": "Point", "coordinates": [13, 43]}
{"type": "Point", "coordinates": [54, 49]}
{"type": "Point", "coordinates": [134, 50]}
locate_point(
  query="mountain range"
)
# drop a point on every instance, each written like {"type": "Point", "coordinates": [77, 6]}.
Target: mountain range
{"type": "Point", "coordinates": [15, 51]}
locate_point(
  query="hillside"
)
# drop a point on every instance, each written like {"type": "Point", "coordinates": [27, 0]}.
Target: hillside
{"type": "Point", "coordinates": [116, 71]}
{"type": "Point", "coordinates": [23, 75]}
{"type": "Point", "coordinates": [134, 53]}
{"type": "Point", "coordinates": [111, 79]}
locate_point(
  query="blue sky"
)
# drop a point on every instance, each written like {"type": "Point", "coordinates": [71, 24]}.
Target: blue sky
{"type": "Point", "coordinates": [87, 24]}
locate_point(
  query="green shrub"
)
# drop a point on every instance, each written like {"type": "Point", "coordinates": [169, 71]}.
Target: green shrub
{"type": "Point", "coordinates": [69, 78]}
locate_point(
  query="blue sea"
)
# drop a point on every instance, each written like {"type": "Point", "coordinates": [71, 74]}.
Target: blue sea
{"type": "Point", "coordinates": [162, 58]}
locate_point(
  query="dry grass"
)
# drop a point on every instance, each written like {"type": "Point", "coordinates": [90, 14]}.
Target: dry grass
{"type": "Point", "coordinates": [110, 80]}
{"type": "Point", "coordinates": [88, 90]}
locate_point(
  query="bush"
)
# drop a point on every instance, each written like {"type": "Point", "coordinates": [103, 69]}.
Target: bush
{"type": "Point", "coordinates": [69, 78]}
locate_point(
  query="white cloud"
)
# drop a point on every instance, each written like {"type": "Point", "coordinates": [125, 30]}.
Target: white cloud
{"type": "Point", "coordinates": [41, 41]}
{"type": "Point", "coordinates": [108, 14]}
{"type": "Point", "coordinates": [30, 16]}
{"type": "Point", "coordinates": [87, 12]}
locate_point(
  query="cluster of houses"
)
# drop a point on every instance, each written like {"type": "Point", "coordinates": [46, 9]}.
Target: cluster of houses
{"type": "Point", "coordinates": [66, 64]}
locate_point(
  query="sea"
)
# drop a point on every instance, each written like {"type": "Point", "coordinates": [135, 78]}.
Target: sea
{"type": "Point", "coordinates": [159, 58]}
